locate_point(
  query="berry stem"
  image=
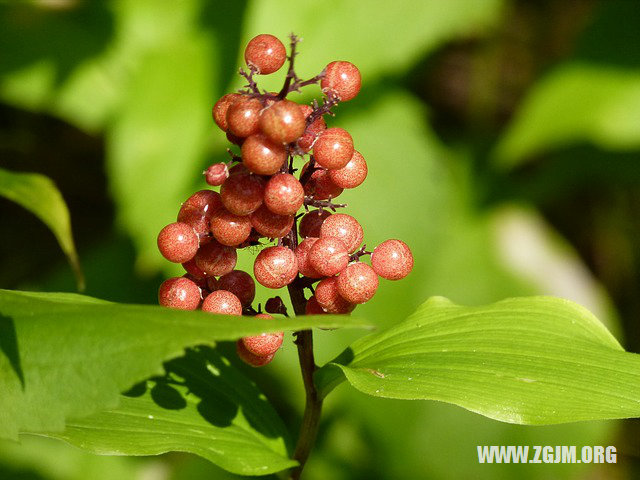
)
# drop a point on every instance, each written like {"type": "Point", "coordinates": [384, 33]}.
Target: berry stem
{"type": "Point", "coordinates": [309, 201]}
{"type": "Point", "coordinates": [291, 74]}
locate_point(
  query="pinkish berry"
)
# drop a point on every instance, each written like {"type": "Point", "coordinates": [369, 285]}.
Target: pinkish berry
{"type": "Point", "coordinates": [243, 116]}
{"type": "Point", "coordinates": [263, 156]}
{"type": "Point", "coordinates": [192, 269]}
{"type": "Point", "coordinates": [219, 111]}
{"type": "Point", "coordinates": [343, 79]}
{"type": "Point", "coordinates": [240, 284]}
{"type": "Point", "coordinates": [320, 185]}
{"type": "Point", "coordinates": [251, 359]}
{"type": "Point", "coordinates": [352, 174]}
{"type": "Point", "coordinates": [178, 242]}
{"type": "Point", "coordinates": [392, 259]}
{"type": "Point", "coordinates": [306, 141]}
{"type": "Point", "coordinates": [283, 122]}
{"type": "Point", "coordinates": [223, 303]}
{"type": "Point", "coordinates": [230, 229]}
{"type": "Point", "coordinates": [313, 307]}
{"type": "Point", "coordinates": [216, 259]}
{"type": "Point", "coordinates": [271, 224]}
{"type": "Point", "coordinates": [198, 210]}
{"type": "Point", "coordinates": [328, 256]}
{"type": "Point", "coordinates": [302, 255]}
{"type": "Point", "coordinates": [179, 292]}
{"type": "Point", "coordinates": [358, 283]}
{"type": "Point", "coordinates": [216, 174]}
{"type": "Point", "coordinates": [283, 194]}
{"type": "Point", "coordinates": [329, 298]}
{"type": "Point", "coordinates": [344, 227]}
{"type": "Point", "coordinates": [265, 54]}
{"type": "Point", "coordinates": [264, 344]}
{"type": "Point", "coordinates": [242, 193]}
{"type": "Point", "coordinates": [275, 267]}
{"type": "Point", "coordinates": [333, 148]}
{"type": "Point", "coordinates": [311, 222]}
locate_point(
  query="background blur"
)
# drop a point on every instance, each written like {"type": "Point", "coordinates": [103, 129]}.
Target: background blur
{"type": "Point", "coordinates": [503, 142]}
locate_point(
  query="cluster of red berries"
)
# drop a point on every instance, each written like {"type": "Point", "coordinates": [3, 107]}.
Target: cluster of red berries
{"type": "Point", "coordinates": [259, 200]}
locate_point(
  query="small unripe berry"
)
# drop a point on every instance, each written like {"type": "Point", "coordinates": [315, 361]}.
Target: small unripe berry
{"type": "Point", "coordinates": [264, 344]}
{"type": "Point", "coordinates": [275, 267]}
{"type": "Point", "coordinates": [329, 298]}
{"type": "Point", "coordinates": [242, 193]}
{"type": "Point", "coordinates": [243, 116]}
{"type": "Point", "coordinates": [352, 174]}
{"type": "Point", "coordinates": [230, 229]}
{"type": "Point", "coordinates": [344, 227]}
{"type": "Point", "coordinates": [283, 122]}
{"type": "Point", "coordinates": [302, 255]}
{"type": "Point", "coordinates": [179, 292]}
{"type": "Point", "coordinates": [357, 283]}
{"type": "Point", "coordinates": [197, 211]}
{"type": "Point", "coordinates": [271, 224]}
{"type": "Point", "coordinates": [219, 111]}
{"type": "Point", "coordinates": [223, 303]}
{"type": "Point", "coordinates": [328, 256]}
{"type": "Point", "coordinates": [251, 359]}
{"type": "Point", "coordinates": [178, 242]}
{"type": "Point", "coordinates": [283, 194]}
{"type": "Point", "coordinates": [263, 156]}
{"type": "Point", "coordinates": [343, 79]}
{"type": "Point", "coordinates": [313, 307]}
{"type": "Point", "coordinates": [216, 259]}
{"type": "Point", "coordinates": [333, 148]}
{"type": "Point", "coordinates": [239, 283]}
{"type": "Point", "coordinates": [216, 174]}
{"type": "Point", "coordinates": [311, 222]}
{"type": "Point", "coordinates": [265, 54]}
{"type": "Point", "coordinates": [392, 259]}
{"type": "Point", "coordinates": [306, 141]}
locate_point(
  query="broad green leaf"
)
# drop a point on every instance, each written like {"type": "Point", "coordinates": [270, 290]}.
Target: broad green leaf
{"type": "Point", "coordinates": [576, 103]}
{"type": "Point", "coordinates": [40, 196]}
{"type": "Point", "coordinates": [203, 406]}
{"type": "Point", "coordinates": [536, 360]}
{"type": "Point", "coordinates": [66, 355]}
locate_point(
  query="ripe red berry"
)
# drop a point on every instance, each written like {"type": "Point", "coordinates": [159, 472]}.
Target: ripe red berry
{"type": "Point", "coordinates": [275, 267]}
{"type": "Point", "coordinates": [283, 122]}
{"type": "Point", "coordinates": [216, 259]}
{"type": "Point", "coordinates": [306, 141]}
{"type": "Point", "coordinates": [271, 224]}
{"type": "Point", "coordinates": [265, 54]}
{"type": "Point", "coordinates": [283, 194]}
{"type": "Point", "coordinates": [329, 298]}
{"type": "Point", "coordinates": [212, 284]}
{"type": "Point", "coordinates": [192, 269]}
{"type": "Point", "coordinates": [311, 222]}
{"type": "Point", "coordinates": [275, 305]}
{"type": "Point", "coordinates": [343, 79]}
{"type": "Point", "coordinates": [328, 256]}
{"type": "Point", "coordinates": [230, 229]}
{"type": "Point", "coordinates": [264, 344]}
{"type": "Point", "coordinates": [178, 242]}
{"type": "Point", "coordinates": [357, 283]}
{"type": "Point", "coordinates": [321, 186]}
{"type": "Point", "coordinates": [197, 211]}
{"type": "Point", "coordinates": [251, 359]}
{"type": "Point", "coordinates": [223, 303]}
{"type": "Point", "coordinates": [302, 255]}
{"type": "Point", "coordinates": [219, 111]}
{"type": "Point", "coordinates": [392, 259]}
{"type": "Point", "coordinates": [352, 174]}
{"type": "Point", "coordinates": [216, 174]}
{"type": "Point", "coordinates": [179, 292]}
{"type": "Point", "coordinates": [263, 156]}
{"type": "Point", "coordinates": [240, 284]}
{"type": "Point", "coordinates": [242, 193]}
{"type": "Point", "coordinates": [344, 227]}
{"type": "Point", "coordinates": [313, 307]}
{"type": "Point", "coordinates": [333, 148]}
{"type": "Point", "coordinates": [243, 116]}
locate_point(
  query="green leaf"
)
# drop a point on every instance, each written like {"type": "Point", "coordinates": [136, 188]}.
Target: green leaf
{"type": "Point", "coordinates": [203, 406]}
{"type": "Point", "coordinates": [576, 103]}
{"type": "Point", "coordinates": [535, 360]}
{"type": "Point", "coordinates": [65, 355]}
{"type": "Point", "coordinates": [40, 196]}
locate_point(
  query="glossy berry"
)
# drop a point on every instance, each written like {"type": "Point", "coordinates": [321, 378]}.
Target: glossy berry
{"type": "Point", "coordinates": [265, 54]}
{"type": "Point", "coordinates": [329, 298]}
{"type": "Point", "coordinates": [392, 259]}
{"type": "Point", "coordinates": [264, 344]}
{"type": "Point", "coordinates": [192, 269]}
{"type": "Point", "coordinates": [357, 283]}
{"type": "Point", "coordinates": [242, 193]}
{"type": "Point", "coordinates": [178, 242]}
{"type": "Point", "coordinates": [263, 156]}
{"type": "Point", "coordinates": [344, 227]}
{"type": "Point", "coordinates": [239, 283]}
{"type": "Point", "coordinates": [251, 359]}
{"type": "Point", "coordinates": [313, 307]}
{"type": "Point", "coordinates": [216, 259]}
{"type": "Point", "coordinates": [311, 222]}
{"type": "Point", "coordinates": [283, 194]}
{"type": "Point", "coordinates": [179, 292]}
{"type": "Point", "coordinates": [275, 267]}
{"type": "Point", "coordinates": [283, 122]}
{"type": "Point", "coordinates": [230, 229]}
{"type": "Point", "coordinates": [352, 174]}
{"type": "Point", "coordinates": [302, 256]}
{"type": "Point", "coordinates": [219, 111]}
{"type": "Point", "coordinates": [216, 174]}
{"type": "Point", "coordinates": [321, 186]}
{"type": "Point", "coordinates": [223, 303]}
{"type": "Point", "coordinates": [312, 131]}
{"type": "Point", "coordinates": [328, 256]}
{"type": "Point", "coordinates": [269, 224]}
{"type": "Point", "coordinates": [243, 116]}
{"type": "Point", "coordinates": [197, 211]}
{"type": "Point", "coordinates": [333, 148]}
{"type": "Point", "coordinates": [343, 79]}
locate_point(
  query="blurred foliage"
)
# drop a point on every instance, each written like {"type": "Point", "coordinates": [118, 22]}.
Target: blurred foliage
{"type": "Point", "coordinates": [467, 108]}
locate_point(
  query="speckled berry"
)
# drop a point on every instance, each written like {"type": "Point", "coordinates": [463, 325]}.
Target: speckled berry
{"type": "Point", "coordinates": [242, 193]}
{"type": "Point", "coordinates": [329, 298]}
{"type": "Point", "coordinates": [192, 269]}
{"type": "Point", "coordinates": [243, 117]}
{"type": "Point", "coordinates": [222, 302]}
{"type": "Point", "coordinates": [219, 111]}
{"type": "Point", "coordinates": [216, 174]}
{"type": "Point", "coordinates": [239, 283]}
{"type": "Point", "coordinates": [320, 184]}
{"type": "Point", "coordinates": [333, 148]}
{"type": "Point", "coordinates": [275, 267]}
{"type": "Point", "coordinates": [344, 227]}
{"type": "Point", "coordinates": [271, 224]}
{"type": "Point", "coordinates": [264, 344]}
{"type": "Point", "coordinates": [178, 242]}
{"type": "Point", "coordinates": [311, 222]}
{"type": "Point", "coordinates": [216, 259]}
{"type": "Point", "coordinates": [312, 131]}
{"type": "Point", "coordinates": [313, 307]}
{"type": "Point", "coordinates": [179, 292]}
{"type": "Point", "coordinates": [249, 358]}
{"type": "Point", "coordinates": [357, 283]}
{"type": "Point", "coordinates": [283, 194]}
{"type": "Point", "coordinates": [302, 255]}
{"type": "Point", "coordinates": [392, 259]}
{"type": "Point", "coordinates": [328, 256]}
{"type": "Point", "coordinates": [263, 156]}
{"type": "Point", "coordinates": [283, 122]}
{"type": "Point", "coordinates": [198, 210]}
{"type": "Point", "coordinates": [230, 229]}
{"type": "Point", "coordinates": [343, 79]}
{"type": "Point", "coordinates": [265, 54]}
{"type": "Point", "coordinates": [352, 174]}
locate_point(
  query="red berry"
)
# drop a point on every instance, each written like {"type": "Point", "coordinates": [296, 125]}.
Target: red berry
{"type": "Point", "coordinates": [223, 303]}
{"type": "Point", "coordinates": [302, 255]}
{"type": "Point", "coordinates": [198, 210]}
{"type": "Point", "coordinates": [240, 284]}
{"type": "Point", "coordinates": [275, 267]}
{"type": "Point", "coordinates": [344, 227]}
{"type": "Point", "coordinates": [179, 292]}
{"type": "Point", "coordinates": [264, 344]}
{"type": "Point", "coordinates": [216, 259]}
{"type": "Point", "coordinates": [235, 140]}
{"type": "Point", "coordinates": [219, 111]}
{"type": "Point", "coordinates": [343, 79]}
{"type": "Point", "coordinates": [329, 299]}
{"type": "Point", "coordinates": [251, 359]}
{"type": "Point", "coordinates": [283, 194]}
{"type": "Point", "coordinates": [243, 116]}
{"type": "Point", "coordinates": [321, 186]}
{"type": "Point", "coordinates": [313, 307]}
{"type": "Point", "coordinates": [178, 242]}
{"type": "Point", "coordinates": [216, 174]}
{"type": "Point", "coordinates": [275, 305]}
{"type": "Point", "coordinates": [392, 259]}
{"type": "Point", "coordinates": [265, 54]}
{"type": "Point", "coordinates": [230, 229]}
{"type": "Point", "coordinates": [192, 269]}
{"type": "Point", "coordinates": [311, 222]}
{"type": "Point", "coordinates": [352, 174]}
{"type": "Point", "coordinates": [283, 122]}
{"type": "Point", "coordinates": [263, 156]}
{"type": "Point", "coordinates": [328, 256]}
{"type": "Point", "coordinates": [333, 148]}
{"type": "Point", "coordinates": [306, 141]}
{"type": "Point", "coordinates": [358, 283]}
{"type": "Point", "coordinates": [271, 224]}
{"type": "Point", "coordinates": [212, 284]}
{"type": "Point", "coordinates": [242, 193]}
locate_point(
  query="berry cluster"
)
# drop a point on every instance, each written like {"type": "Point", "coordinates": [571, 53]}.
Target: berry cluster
{"type": "Point", "coordinates": [259, 200]}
